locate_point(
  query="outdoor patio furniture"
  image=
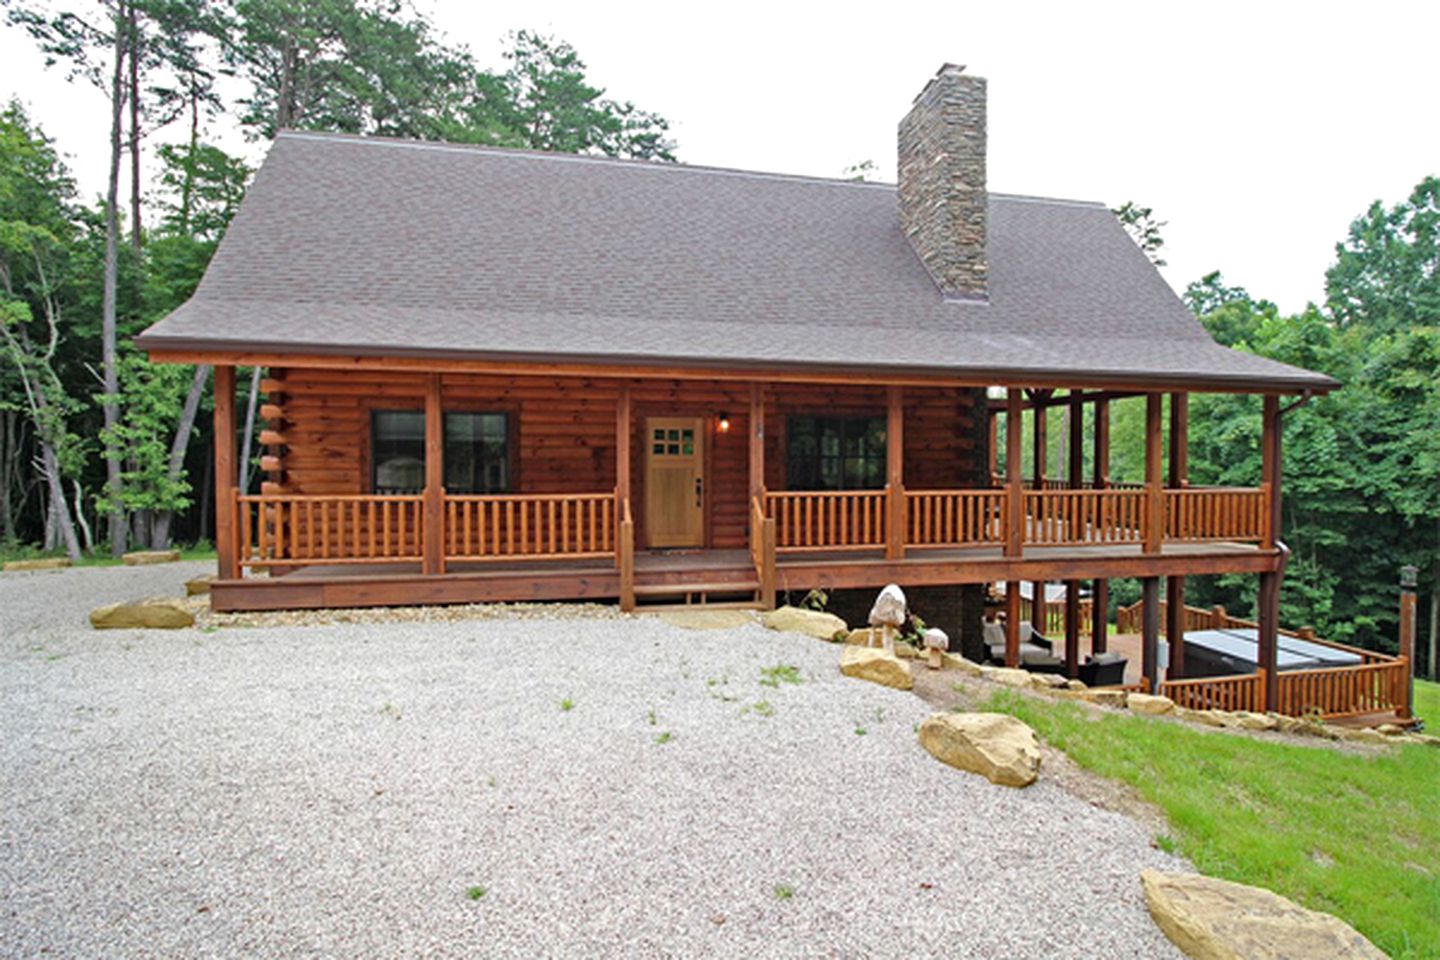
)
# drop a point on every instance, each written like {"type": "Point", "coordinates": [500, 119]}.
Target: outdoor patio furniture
{"type": "Point", "coordinates": [1103, 670]}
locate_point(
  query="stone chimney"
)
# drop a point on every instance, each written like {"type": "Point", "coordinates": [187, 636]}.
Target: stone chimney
{"type": "Point", "coordinates": [942, 181]}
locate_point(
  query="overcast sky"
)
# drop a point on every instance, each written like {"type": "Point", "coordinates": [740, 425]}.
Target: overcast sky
{"type": "Point", "coordinates": [1256, 130]}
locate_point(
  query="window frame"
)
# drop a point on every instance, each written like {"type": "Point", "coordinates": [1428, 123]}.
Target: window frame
{"type": "Point", "coordinates": [511, 434]}
{"type": "Point", "coordinates": [818, 418]}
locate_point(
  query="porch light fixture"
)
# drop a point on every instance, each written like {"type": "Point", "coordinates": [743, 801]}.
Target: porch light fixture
{"type": "Point", "coordinates": [722, 423]}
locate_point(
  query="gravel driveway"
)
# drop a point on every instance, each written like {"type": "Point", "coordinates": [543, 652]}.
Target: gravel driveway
{"type": "Point", "coordinates": [351, 791]}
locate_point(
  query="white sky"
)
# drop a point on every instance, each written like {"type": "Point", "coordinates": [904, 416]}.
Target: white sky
{"type": "Point", "coordinates": [1256, 130]}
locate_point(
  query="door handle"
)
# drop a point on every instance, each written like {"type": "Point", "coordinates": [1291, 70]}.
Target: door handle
{"type": "Point", "coordinates": [699, 491]}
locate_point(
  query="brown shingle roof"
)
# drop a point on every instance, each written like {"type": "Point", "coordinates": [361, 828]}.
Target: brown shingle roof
{"type": "Point", "coordinates": [368, 246]}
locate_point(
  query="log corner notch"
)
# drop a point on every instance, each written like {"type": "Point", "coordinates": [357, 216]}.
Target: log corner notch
{"type": "Point", "coordinates": [273, 436]}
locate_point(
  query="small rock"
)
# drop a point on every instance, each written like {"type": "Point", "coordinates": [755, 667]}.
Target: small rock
{"type": "Point", "coordinates": [997, 746]}
{"type": "Point", "coordinates": [199, 586]}
{"type": "Point", "coordinates": [1009, 676]}
{"type": "Point", "coordinates": [1286, 724]}
{"type": "Point", "coordinates": [865, 637]}
{"type": "Point", "coordinates": [905, 651]}
{"type": "Point", "coordinates": [1208, 918]}
{"type": "Point", "coordinates": [1249, 720]}
{"type": "Point", "coordinates": [1150, 705]}
{"type": "Point", "coordinates": [1362, 735]}
{"type": "Point", "coordinates": [812, 623]}
{"type": "Point", "coordinates": [953, 661]}
{"type": "Point", "coordinates": [1390, 729]}
{"type": "Point", "coordinates": [877, 666]}
{"type": "Point", "coordinates": [1426, 738]}
{"type": "Point", "coordinates": [1076, 684]}
{"type": "Point", "coordinates": [42, 563]}
{"type": "Point", "coordinates": [144, 558]}
{"type": "Point", "coordinates": [889, 609]}
{"type": "Point", "coordinates": [142, 614]}
{"type": "Point", "coordinates": [1048, 681]}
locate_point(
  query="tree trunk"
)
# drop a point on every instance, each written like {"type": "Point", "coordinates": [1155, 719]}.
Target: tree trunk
{"type": "Point", "coordinates": [63, 528]}
{"type": "Point", "coordinates": [136, 240]}
{"type": "Point", "coordinates": [8, 456]}
{"type": "Point", "coordinates": [89, 538]}
{"type": "Point", "coordinates": [1434, 613]}
{"type": "Point", "coordinates": [108, 336]}
{"type": "Point", "coordinates": [160, 532]}
{"type": "Point", "coordinates": [249, 430]}
{"type": "Point", "coordinates": [207, 488]}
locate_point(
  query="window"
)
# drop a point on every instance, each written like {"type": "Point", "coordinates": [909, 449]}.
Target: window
{"type": "Point", "coordinates": [836, 453]}
{"type": "Point", "coordinates": [477, 452]}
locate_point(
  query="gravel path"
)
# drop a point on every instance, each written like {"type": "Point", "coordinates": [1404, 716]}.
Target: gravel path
{"type": "Point", "coordinates": [342, 790]}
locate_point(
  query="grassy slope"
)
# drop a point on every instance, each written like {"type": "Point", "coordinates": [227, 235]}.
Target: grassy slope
{"type": "Point", "coordinates": [17, 552]}
{"type": "Point", "coordinates": [1427, 704]}
{"type": "Point", "coordinates": [1356, 835]}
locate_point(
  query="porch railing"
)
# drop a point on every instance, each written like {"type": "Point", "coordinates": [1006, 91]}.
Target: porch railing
{"type": "Point", "coordinates": [833, 520]}
{"type": "Point", "coordinates": [294, 529]}
{"type": "Point", "coordinates": [1217, 513]}
{"type": "Point", "coordinates": [1345, 691]}
{"type": "Point", "coordinates": [954, 517]}
{"type": "Point", "coordinates": [1084, 516]}
{"type": "Point", "coordinates": [1241, 692]}
{"type": "Point", "coordinates": [532, 526]}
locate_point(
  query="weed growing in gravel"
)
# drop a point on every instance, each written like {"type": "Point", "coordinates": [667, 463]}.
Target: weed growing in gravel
{"type": "Point", "coordinates": [652, 716]}
{"type": "Point", "coordinates": [1165, 843]}
{"type": "Point", "coordinates": [664, 737]}
{"type": "Point", "coordinates": [763, 707]}
{"type": "Point", "coordinates": [783, 891]}
{"type": "Point", "coordinates": [390, 710]}
{"type": "Point", "coordinates": [778, 674]}
{"type": "Point", "coordinates": [860, 731]}
{"type": "Point", "coordinates": [567, 705]}
{"type": "Point", "coordinates": [475, 892]}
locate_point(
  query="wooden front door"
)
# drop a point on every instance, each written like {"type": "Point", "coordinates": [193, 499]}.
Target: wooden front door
{"type": "Point", "coordinates": [675, 481]}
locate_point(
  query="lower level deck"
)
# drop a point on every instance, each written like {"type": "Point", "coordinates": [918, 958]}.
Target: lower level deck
{"type": "Point", "coordinates": [675, 573]}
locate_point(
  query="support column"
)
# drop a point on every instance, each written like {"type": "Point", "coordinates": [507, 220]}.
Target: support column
{"type": "Point", "coordinates": [1268, 614]}
{"type": "Point", "coordinates": [1039, 609]}
{"type": "Point", "coordinates": [895, 471]}
{"type": "Point", "coordinates": [434, 533]}
{"type": "Point", "coordinates": [1150, 632]}
{"type": "Point", "coordinates": [1175, 585]}
{"type": "Point", "coordinates": [1014, 521]}
{"type": "Point", "coordinates": [624, 431]}
{"type": "Point", "coordinates": [227, 546]}
{"type": "Point", "coordinates": [1100, 589]}
{"type": "Point", "coordinates": [1154, 489]}
{"type": "Point", "coordinates": [1408, 582]}
{"type": "Point", "coordinates": [757, 441]}
{"type": "Point", "coordinates": [1076, 475]}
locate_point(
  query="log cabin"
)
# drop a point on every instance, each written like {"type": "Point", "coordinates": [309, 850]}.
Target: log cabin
{"type": "Point", "coordinates": [501, 375]}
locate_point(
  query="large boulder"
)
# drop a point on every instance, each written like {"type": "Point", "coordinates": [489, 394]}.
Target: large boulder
{"type": "Point", "coordinates": [877, 666]}
{"type": "Point", "coordinates": [1211, 919]}
{"type": "Point", "coordinates": [889, 609]}
{"type": "Point", "coordinates": [997, 746]}
{"type": "Point", "coordinates": [1148, 704]}
{"type": "Point", "coordinates": [142, 615]}
{"type": "Point", "coordinates": [954, 661]}
{"type": "Point", "coordinates": [1010, 676]}
{"type": "Point", "coordinates": [812, 623]}
{"type": "Point", "coordinates": [39, 563]}
{"type": "Point", "coordinates": [143, 558]}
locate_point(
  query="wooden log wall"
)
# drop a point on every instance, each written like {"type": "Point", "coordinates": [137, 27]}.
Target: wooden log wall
{"type": "Point", "coordinates": [563, 430]}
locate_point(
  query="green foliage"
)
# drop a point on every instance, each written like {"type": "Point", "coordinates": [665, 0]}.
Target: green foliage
{"type": "Point", "coordinates": [778, 674]}
{"type": "Point", "coordinates": [1142, 226]}
{"type": "Point", "coordinates": [1350, 834]}
{"type": "Point", "coordinates": [1387, 273]}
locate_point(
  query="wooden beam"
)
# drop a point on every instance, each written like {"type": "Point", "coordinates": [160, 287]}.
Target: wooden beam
{"type": "Point", "coordinates": [1039, 455]}
{"type": "Point", "coordinates": [1268, 614]}
{"type": "Point", "coordinates": [757, 440]}
{"type": "Point", "coordinates": [434, 531]}
{"type": "Point", "coordinates": [1072, 628]}
{"type": "Point", "coordinates": [1127, 384]}
{"type": "Point", "coordinates": [1175, 586]}
{"type": "Point", "coordinates": [624, 433]}
{"type": "Point", "coordinates": [1049, 399]}
{"type": "Point", "coordinates": [1268, 617]}
{"type": "Point", "coordinates": [1270, 469]}
{"type": "Point", "coordinates": [1150, 632]}
{"type": "Point", "coordinates": [1012, 623]}
{"type": "Point", "coordinates": [1100, 588]}
{"type": "Point", "coordinates": [895, 471]}
{"type": "Point", "coordinates": [227, 546]}
{"type": "Point", "coordinates": [1014, 486]}
{"type": "Point", "coordinates": [1407, 646]}
{"type": "Point", "coordinates": [992, 450]}
{"type": "Point", "coordinates": [1154, 481]}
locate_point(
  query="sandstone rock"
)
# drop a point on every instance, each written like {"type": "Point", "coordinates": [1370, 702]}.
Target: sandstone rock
{"type": "Point", "coordinates": [1048, 681]}
{"type": "Point", "coordinates": [877, 666]}
{"type": "Point", "coordinates": [889, 609]}
{"type": "Point", "coordinates": [1211, 919]}
{"type": "Point", "coordinates": [41, 563]}
{"type": "Point", "coordinates": [1390, 729]}
{"type": "Point", "coordinates": [1010, 676]}
{"type": "Point", "coordinates": [1426, 738]}
{"type": "Point", "coordinates": [142, 614]}
{"type": "Point", "coordinates": [936, 639]}
{"type": "Point", "coordinates": [905, 651]}
{"type": "Point", "coordinates": [997, 746]}
{"type": "Point", "coordinates": [1105, 697]}
{"type": "Point", "coordinates": [1362, 735]}
{"type": "Point", "coordinates": [1248, 720]}
{"type": "Point", "coordinates": [812, 623]}
{"type": "Point", "coordinates": [199, 586]}
{"type": "Point", "coordinates": [1286, 724]}
{"type": "Point", "coordinates": [1076, 684]}
{"type": "Point", "coordinates": [865, 637]}
{"type": "Point", "coordinates": [144, 558]}
{"type": "Point", "coordinates": [953, 661]}
{"type": "Point", "coordinates": [1150, 705]}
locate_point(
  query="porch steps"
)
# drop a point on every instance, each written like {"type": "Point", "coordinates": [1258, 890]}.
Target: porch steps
{"type": "Point", "coordinates": [697, 595]}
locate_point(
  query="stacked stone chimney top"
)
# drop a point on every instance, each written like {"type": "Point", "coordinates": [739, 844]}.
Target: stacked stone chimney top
{"type": "Point", "coordinates": [943, 199]}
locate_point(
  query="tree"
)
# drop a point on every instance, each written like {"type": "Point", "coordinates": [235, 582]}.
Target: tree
{"type": "Point", "coordinates": [36, 221]}
{"type": "Point", "coordinates": [1387, 270]}
{"type": "Point", "coordinates": [1142, 226]}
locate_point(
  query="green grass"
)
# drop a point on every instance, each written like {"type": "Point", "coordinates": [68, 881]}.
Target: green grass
{"type": "Point", "coordinates": [475, 892]}
{"type": "Point", "coordinates": [567, 705]}
{"type": "Point", "coordinates": [1427, 704]}
{"type": "Point", "coordinates": [778, 674]}
{"type": "Point", "coordinates": [784, 891]}
{"type": "Point", "coordinates": [1353, 834]}
{"type": "Point", "coordinates": [13, 551]}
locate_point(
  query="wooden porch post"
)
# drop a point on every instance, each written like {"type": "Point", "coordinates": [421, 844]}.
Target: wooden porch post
{"type": "Point", "coordinates": [434, 534]}
{"type": "Point", "coordinates": [766, 530]}
{"type": "Point", "coordinates": [895, 471]}
{"type": "Point", "coordinates": [1014, 520]}
{"type": "Point", "coordinates": [1268, 614]}
{"type": "Point", "coordinates": [1100, 589]}
{"type": "Point", "coordinates": [1175, 585]}
{"type": "Point", "coordinates": [1039, 608]}
{"type": "Point", "coordinates": [623, 434]}
{"type": "Point", "coordinates": [227, 547]}
{"type": "Point", "coordinates": [757, 441]}
{"type": "Point", "coordinates": [1150, 632]}
{"type": "Point", "coordinates": [1407, 638]}
{"type": "Point", "coordinates": [1076, 476]}
{"type": "Point", "coordinates": [993, 426]}
{"type": "Point", "coordinates": [1154, 530]}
